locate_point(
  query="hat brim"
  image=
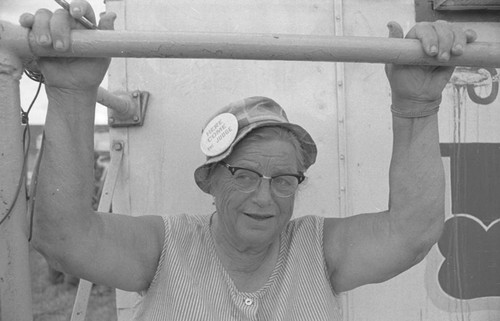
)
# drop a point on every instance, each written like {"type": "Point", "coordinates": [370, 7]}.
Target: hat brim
{"type": "Point", "coordinates": [202, 173]}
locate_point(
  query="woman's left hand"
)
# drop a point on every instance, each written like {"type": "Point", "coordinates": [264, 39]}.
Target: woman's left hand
{"type": "Point", "coordinates": [416, 89]}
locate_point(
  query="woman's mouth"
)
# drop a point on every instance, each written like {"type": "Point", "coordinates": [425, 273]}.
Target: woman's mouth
{"type": "Point", "coordinates": [259, 217]}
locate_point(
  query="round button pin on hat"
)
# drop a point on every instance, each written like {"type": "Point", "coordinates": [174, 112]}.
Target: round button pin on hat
{"type": "Point", "coordinates": [219, 134]}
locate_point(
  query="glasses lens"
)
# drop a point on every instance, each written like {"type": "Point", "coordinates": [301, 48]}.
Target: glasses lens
{"type": "Point", "coordinates": [246, 180]}
{"type": "Point", "coordinates": [284, 185]}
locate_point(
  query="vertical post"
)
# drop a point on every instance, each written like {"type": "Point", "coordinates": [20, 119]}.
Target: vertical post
{"type": "Point", "coordinates": [341, 101]}
{"type": "Point", "coordinates": [15, 281]}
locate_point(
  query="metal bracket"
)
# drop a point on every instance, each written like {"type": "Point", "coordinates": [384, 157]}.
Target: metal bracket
{"type": "Point", "coordinates": [135, 116]}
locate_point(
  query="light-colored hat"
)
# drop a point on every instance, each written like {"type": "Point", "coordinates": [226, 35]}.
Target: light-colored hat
{"type": "Point", "coordinates": [233, 122]}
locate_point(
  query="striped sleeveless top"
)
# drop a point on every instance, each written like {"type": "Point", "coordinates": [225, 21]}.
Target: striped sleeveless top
{"type": "Point", "coordinates": [191, 284]}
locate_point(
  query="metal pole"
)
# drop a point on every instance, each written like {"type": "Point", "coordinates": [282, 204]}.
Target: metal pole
{"type": "Point", "coordinates": [121, 104]}
{"type": "Point", "coordinates": [15, 284]}
{"type": "Point", "coordinates": [99, 43]}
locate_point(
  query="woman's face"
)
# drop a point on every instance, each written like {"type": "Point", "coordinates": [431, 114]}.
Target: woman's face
{"type": "Point", "coordinates": [256, 218]}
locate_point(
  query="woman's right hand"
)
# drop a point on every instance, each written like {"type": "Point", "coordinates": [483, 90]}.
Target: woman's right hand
{"type": "Point", "coordinates": [52, 30]}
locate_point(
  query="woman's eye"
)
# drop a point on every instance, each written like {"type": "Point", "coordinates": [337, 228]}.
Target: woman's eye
{"type": "Point", "coordinates": [245, 175]}
{"type": "Point", "coordinates": [283, 181]}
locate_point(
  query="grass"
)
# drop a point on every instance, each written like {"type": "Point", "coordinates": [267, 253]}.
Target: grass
{"type": "Point", "coordinates": [54, 302]}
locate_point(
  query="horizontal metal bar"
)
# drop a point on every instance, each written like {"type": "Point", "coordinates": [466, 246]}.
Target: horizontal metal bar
{"type": "Point", "coordinates": [99, 43]}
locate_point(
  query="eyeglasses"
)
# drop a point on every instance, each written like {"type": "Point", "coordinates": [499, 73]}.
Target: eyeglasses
{"type": "Point", "coordinates": [247, 180]}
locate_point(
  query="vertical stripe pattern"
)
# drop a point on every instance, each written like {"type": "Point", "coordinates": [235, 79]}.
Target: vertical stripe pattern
{"type": "Point", "coordinates": [191, 283]}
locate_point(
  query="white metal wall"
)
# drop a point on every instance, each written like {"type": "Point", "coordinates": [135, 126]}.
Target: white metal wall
{"type": "Point", "coordinates": [157, 176]}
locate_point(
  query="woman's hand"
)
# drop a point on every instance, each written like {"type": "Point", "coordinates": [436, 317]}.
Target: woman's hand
{"type": "Point", "coordinates": [52, 30]}
{"type": "Point", "coordinates": [416, 90]}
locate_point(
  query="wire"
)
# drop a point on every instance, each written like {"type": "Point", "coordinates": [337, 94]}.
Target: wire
{"type": "Point", "coordinates": [21, 177]}
{"type": "Point", "coordinates": [34, 75]}
{"type": "Point", "coordinates": [34, 182]}
{"type": "Point", "coordinates": [26, 142]}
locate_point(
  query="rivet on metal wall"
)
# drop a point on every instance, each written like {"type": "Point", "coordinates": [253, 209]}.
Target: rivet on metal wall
{"type": "Point", "coordinates": [117, 146]}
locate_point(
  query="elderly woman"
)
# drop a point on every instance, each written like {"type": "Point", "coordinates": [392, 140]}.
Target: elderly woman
{"type": "Point", "coordinates": [249, 260]}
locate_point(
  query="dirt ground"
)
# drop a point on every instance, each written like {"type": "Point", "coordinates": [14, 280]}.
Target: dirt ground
{"type": "Point", "coordinates": [55, 302]}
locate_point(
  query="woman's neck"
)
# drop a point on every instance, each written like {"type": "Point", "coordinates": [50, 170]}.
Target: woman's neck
{"type": "Point", "coordinates": [245, 264]}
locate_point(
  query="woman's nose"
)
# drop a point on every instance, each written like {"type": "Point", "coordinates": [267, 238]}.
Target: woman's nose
{"type": "Point", "coordinates": [263, 192]}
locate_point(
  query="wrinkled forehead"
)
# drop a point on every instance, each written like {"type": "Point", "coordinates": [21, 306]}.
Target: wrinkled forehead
{"type": "Point", "coordinates": [276, 152]}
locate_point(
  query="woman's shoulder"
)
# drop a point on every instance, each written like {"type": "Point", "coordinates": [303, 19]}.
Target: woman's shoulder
{"type": "Point", "coordinates": [305, 227]}
{"type": "Point", "coordinates": [307, 221]}
{"type": "Point", "coordinates": [187, 219]}
{"type": "Point", "coordinates": [186, 225]}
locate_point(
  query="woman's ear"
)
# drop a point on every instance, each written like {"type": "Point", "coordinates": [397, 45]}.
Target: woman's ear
{"type": "Point", "coordinates": [213, 174]}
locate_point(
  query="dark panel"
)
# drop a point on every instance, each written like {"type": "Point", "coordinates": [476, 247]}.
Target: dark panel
{"type": "Point", "coordinates": [466, 4]}
{"type": "Point", "coordinates": [425, 12]}
{"type": "Point", "coordinates": [470, 244]}
{"type": "Point", "coordinates": [475, 179]}
{"type": "Point", "coordinates": [472, 259]}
